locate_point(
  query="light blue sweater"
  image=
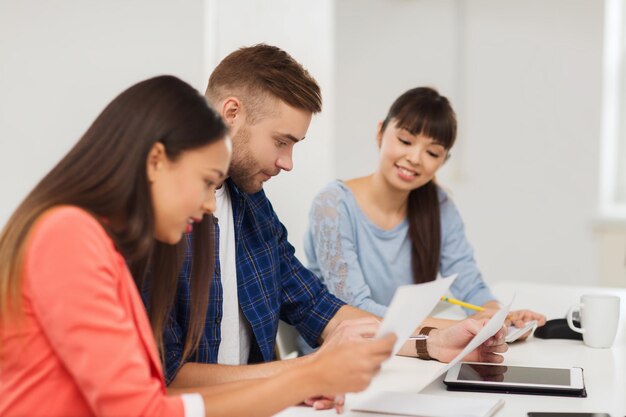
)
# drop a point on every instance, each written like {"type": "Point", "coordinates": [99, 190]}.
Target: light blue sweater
{"type": "Point", "coordinates": [363, 264]}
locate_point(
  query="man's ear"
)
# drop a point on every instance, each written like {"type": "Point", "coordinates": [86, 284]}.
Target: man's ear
{"type": "Point", "coordinates": [155, 161]}
{"type": "Point", "coordinates": [379, 134]}
{"type": "Point", "coordinates": [232, 111]}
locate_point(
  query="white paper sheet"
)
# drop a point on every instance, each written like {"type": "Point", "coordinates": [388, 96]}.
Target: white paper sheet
{"type": "Point", "coordinates": [410, 404]}
{"type": "Point", "coordinates": [410, 305]}
{"type": "Point", "coordinates": [514, 333]}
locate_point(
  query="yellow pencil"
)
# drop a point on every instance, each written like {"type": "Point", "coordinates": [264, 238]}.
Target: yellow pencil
{"type": "Point", "coordinates": [462, 304]}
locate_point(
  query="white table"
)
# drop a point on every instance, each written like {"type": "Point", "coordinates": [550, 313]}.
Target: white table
{"type": "Point", "coordinates": [604, 369]}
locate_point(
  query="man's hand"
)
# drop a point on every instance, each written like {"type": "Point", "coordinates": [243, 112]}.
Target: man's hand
{"type": "Point", "coordinates": [350, 330]}
{"type": "Point", "coordinates": [445, 344]}
{"type": "Point", "coordinates": [348, 366]}
{"type": "Point", "coordinates": [346, 331]}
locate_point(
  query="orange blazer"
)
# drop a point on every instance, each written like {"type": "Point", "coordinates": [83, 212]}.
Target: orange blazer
{"type": "Point", "coordinates": [84, 346]}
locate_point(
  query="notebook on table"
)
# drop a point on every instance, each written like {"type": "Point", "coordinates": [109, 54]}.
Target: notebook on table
{"type": "Point", "coordinates": [422, 405]}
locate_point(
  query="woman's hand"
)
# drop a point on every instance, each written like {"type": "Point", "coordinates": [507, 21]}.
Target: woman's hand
{"type": "Point", "coordinates": [519, 318]}
{"type": "Point", "coordinates": [324, 403]}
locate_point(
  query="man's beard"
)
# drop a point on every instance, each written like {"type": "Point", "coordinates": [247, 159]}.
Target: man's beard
{"type": "Point", "coordinates": [243, 166]}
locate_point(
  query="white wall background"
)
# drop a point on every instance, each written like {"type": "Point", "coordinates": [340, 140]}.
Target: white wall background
{"type": "Point", "coordinates": [61, 62]}
{"type": "Point", "coordinates": [525, 78]}
{"type": "Point", "coordinates": [533, 99]}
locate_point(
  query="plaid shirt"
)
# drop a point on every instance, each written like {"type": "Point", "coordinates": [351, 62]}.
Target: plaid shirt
{"type": "Point", "coordinates": [271, 285]}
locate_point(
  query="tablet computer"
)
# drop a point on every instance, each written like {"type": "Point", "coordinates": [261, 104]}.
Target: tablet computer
{"type": "Point", "coordinates": [468, 376]}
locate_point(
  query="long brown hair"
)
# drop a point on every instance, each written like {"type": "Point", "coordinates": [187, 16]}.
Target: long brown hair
{"type": "Point", "coordinates": [105, 174]}
{"type": "Point", "coordinates": [424, 111]}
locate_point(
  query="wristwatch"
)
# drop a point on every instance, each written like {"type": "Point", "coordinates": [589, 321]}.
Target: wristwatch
{"type": "Point", "coordinates": [420, 344]}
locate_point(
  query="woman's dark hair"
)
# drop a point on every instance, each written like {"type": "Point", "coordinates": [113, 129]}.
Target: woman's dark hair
{"type": "Point", "coordinates": [425, 112]}
{"type": "Point", "coordinates": [105, 174]}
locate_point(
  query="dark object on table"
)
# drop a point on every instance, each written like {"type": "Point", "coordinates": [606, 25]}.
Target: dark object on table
{"type": "Point", "coordinates": [551, 414]}
{"type": "Point", "coordinates": [558, 329]}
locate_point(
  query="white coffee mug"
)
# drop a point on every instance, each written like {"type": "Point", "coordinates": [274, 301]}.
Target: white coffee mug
{"type": "Point", "coordinates": [599, 316]}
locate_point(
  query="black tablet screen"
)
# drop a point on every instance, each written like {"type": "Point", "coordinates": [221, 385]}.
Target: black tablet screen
{"type": "Point", "coordinates": [514, 374]}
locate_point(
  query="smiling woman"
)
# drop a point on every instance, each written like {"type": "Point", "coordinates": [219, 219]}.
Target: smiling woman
{"type": "Point", "coordinates": [369, 235]}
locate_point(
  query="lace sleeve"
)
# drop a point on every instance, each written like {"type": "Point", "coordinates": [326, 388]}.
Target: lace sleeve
{"type": "Point", "coordinates": [332, 237]}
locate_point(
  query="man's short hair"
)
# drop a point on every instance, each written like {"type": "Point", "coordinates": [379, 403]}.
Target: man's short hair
{"type": "Point", "coordinates": [256, 73]}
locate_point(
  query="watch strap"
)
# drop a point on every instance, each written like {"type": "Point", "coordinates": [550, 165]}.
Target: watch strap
{"type": "Point", "coordinates": [420, 344]}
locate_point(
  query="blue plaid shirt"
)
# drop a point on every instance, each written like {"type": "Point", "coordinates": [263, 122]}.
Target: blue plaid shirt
{"type": "Point", "coordinates": [271, 285]}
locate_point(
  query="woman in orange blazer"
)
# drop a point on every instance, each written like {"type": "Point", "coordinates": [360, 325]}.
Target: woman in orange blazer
{"type": "Point", "coordinates": [74, 337]}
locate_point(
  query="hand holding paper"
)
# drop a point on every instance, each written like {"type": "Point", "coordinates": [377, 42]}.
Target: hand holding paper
{"type": "Point", "coordinates": [491, 328]}
{"type": "Point", "coordinates": [460, 341]}
{"type": "Point", "coordinates": [409, 306]}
